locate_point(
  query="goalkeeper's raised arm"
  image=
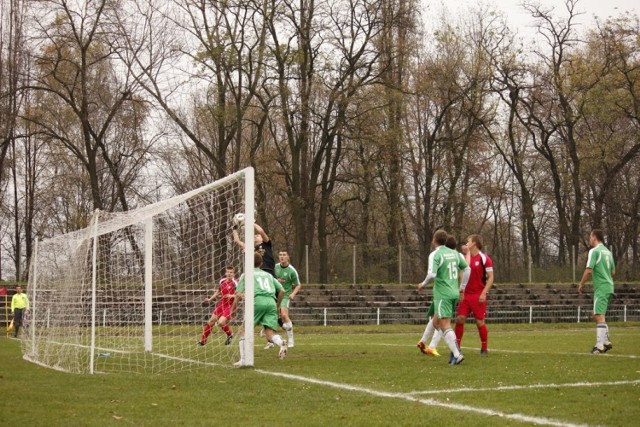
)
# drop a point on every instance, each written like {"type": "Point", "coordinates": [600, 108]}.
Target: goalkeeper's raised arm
{"type": "Point", "coordinates": [262, 245]}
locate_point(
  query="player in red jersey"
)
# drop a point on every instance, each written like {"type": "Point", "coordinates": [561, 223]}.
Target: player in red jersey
{"type": "Point", "coordinates": [222, 313]}
{"type": "Point", "coordinates": [474, 295]}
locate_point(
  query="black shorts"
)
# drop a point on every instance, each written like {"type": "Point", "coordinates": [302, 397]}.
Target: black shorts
{"type": "Point", "coordinates": [17, 315]}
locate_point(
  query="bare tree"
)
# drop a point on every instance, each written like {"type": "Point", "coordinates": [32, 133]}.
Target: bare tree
{"type": "Point", "coordinates": [12, 67]}
{"type": "Point", "coordinates": [81, 97]}
{"type": "Point", "coordinates": [315, 95]}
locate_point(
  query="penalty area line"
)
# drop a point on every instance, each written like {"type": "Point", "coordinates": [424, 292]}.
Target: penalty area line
{"type": "Point", "coordinates": [427, 402]}
{"type": "Point", "coordinates": [525, 387]}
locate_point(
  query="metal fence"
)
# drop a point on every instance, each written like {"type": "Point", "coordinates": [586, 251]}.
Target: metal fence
{"type": "Point", "coordinates": [358, 264]}
{"type": "Point", "coordinates": [405, 315]}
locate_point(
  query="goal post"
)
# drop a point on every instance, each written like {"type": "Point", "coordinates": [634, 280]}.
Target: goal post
{"type": "Point", "coordinates": [126, 294]}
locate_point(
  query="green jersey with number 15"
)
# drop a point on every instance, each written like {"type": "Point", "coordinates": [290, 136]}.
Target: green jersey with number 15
{"type": "Point", "coordinates": [446, 264]}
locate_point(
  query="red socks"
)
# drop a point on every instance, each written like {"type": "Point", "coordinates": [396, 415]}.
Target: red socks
{"type": "Point", "coordinates": [484, 334]}
{"type": "Point", "coordinates": [226, 329]}
{"type": "Point", "coordinates": [205, 333]}
{"type": "Point", "coordinates": [459, 332]}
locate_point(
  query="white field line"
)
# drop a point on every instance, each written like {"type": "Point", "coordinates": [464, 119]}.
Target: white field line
{"type": "Point", "coordinates": [125, 352]}
{"type": "Point", "coordinates": [523, 387]}
{"type": "Point", "coordinates": [493, 350]}
{"type": "Point", "coordinates": [427, 402]}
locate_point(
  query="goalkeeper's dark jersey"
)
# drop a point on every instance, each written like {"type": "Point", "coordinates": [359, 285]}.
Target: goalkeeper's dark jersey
{"type": "Point", "coordinates": [268, 262]}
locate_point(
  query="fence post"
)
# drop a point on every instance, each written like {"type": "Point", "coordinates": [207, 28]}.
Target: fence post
{"type": "Point", "coordinates": [399, 263]}
{"type": "Point", "coordinates": [160, 318]}
{"type": "Point", "coordinates": [530, 314]}
{"type": "Point", "coordinates": [306, 262]}
{"type": "Point", "coordinates": [624, 315]}
{"type": "Point", "coordinates": [325, 317]}
{"type": "Point", "coordinates": [573, 262]}
{"type": "Point", "coordinates": [104, 317]}
{"type": "Point", "coordinates": [578, 314]}
{"type": "Point", "coordinates": [378, 316]}
{"type": "Point", "coordinates": [354, 264]}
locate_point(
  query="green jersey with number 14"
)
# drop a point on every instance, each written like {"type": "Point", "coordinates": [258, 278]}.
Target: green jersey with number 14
{"type": "Point", "coordinates": [265, 284]}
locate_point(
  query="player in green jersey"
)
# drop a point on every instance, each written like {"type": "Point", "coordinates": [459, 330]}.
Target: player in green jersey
{"type": "Point", "coordinates": [268, 294]}
{"type": "Point", "coordinates": [601, 266]}
{"type": "Point", "coordinates": [288, 277]}
{"type": "Point", "coordinates": [431, 331]}
{"type": "Point", "coordinates": [444, 267]}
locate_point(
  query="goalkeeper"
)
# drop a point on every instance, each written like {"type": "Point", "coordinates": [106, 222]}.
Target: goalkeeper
{"type": "Point", "coordinates": [222, 313]}
{"type": "Point", "coordinates": [268, 294]}
{"type": "Point", "coordinates": [262, 245]}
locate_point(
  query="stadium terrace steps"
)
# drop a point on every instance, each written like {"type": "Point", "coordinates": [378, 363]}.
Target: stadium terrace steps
{"type": "Point", "coordinates": [325, 296]}
{"type": "Point", "coordinates": [366, 304]}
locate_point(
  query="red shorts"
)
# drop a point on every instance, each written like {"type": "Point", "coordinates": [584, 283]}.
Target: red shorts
{"type": "Point", "coordinates": [222, 310]}
{"type": "Point", "coordinates": [471, 304]}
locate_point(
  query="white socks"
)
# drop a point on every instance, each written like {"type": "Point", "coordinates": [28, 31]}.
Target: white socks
{"type": "Point", "coordinates": [437, 335]}
{"type": "Point", "coordinates": [428, 331]}
{"type": "Point", "coordinates": [452, 342]}
{"type": "Point", "coordinates": [241, 347]}
{"type": "Point", "coordinates": [277, 340]}
{"type": "Point", "coordinates": [289, 328]}
{"type": "Point", "coordinates": [602, 334]}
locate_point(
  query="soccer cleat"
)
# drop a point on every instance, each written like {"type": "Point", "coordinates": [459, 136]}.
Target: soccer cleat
{"type": "Point", "coordinates": [200, 344]}
{"type": "Point", "coordinates": [431, 352]}
{"type": "Point", "coordinates": [268, 346]}
{"type": "Point", "coordinates": [283, 350]}
{"type": "Point", "coordinates": [597, 350]}
{"type": "Point", "coordinates": [421, 346]}
{"type": "Point", "coordinates": [290, 344]}
{"type": "Point", "coordinates": [608, 346]}
{"type": "Point", "coordinates": [457, 360]}
{"type": "Point", "coordinates": [484, 352]}
{"type": "Point", "coordinates": [228, 340]}
{"type": "Point", "coordinates": [451, 358]}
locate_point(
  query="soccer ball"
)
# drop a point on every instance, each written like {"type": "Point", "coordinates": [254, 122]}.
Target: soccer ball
{"type": "Point", "coordinates": [238, 220]}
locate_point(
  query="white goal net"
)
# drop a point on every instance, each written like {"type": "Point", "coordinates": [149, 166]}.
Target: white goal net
{"type": "Point", "coordinates": [126, 293]}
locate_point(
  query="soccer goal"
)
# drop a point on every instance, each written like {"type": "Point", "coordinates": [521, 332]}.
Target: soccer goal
{"type": "Point", "coordinates": [126, 293]}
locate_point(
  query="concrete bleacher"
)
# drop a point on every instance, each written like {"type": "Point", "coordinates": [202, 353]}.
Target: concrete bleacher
{"type": "Point", "coordinates": [358, 303]}
{"type": "Point", "coordinates": [332, 296]}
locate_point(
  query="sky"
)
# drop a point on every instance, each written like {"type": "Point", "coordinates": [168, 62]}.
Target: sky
{"type": "Point", "coordinates": [601, 8]}
{"type": "Point", "coordinates": [521, 21]}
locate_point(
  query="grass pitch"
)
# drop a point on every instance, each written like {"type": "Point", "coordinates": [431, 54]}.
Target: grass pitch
{"type": "Point", "coordinates": [359, 375]}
